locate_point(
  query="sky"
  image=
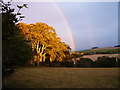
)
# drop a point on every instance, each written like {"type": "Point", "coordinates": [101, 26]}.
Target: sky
{"type": "Point", "coordinates": [82, 25]}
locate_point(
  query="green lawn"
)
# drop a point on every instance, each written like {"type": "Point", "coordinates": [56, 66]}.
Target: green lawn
{"type": "Point", "coordinates": [51, 77]}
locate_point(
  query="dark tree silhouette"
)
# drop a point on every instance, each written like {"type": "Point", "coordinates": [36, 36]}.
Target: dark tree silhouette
{"type": "Point", "coordinates": [15, 49]}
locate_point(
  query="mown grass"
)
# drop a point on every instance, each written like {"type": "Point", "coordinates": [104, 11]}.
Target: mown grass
{"type": "Point", "coordinates": [48, 77]}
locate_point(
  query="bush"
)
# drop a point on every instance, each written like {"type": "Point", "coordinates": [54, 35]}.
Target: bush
{"type": "Point", "coordinates": [84, 62]}
{"type": "Point", "coordinates": [55, 64]}
{"type": "Point", "coordinates": [105, 61]}
{"type": "Point", "coordinates": [94, 47]}
{"type": "Point", "coordinates": [67, 63]}
{"type": "Point", "coordinates": [118, 63]}
{"type": "Point", "coordinates": [103, 52]}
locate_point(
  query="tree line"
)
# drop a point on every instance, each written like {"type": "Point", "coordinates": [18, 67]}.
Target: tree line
{"type": "Point", "coordinates": [34, 44]}
{"type": "Point", "coordinates": [103, 61]}
{"type": "Point", "coordinates": [28, 43]}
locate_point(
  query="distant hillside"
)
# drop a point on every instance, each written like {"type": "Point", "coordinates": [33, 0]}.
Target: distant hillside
{"type": "Point", "coordinates": [95, 56]}
{"type": "Point", "coordinates": [104, 50]}
{"type": "Point", "coordinates": [98, 52]}
{"type": "Point", "coordinates": [117, 46]}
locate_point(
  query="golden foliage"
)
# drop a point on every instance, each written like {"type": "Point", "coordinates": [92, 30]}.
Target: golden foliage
{"type": "Point", "coordinates": [44, 41]}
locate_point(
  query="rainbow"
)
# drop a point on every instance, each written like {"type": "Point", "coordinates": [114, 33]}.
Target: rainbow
{"type": "Point", "coordinates": [69, 37]}
{"type": "Point", "coordinates": [69, 30]}
{"type": "Point", "coordinates": [88, 28]}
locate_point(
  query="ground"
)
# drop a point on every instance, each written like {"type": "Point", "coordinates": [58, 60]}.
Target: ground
{"type": "Point", "coordinates": [52, 77]}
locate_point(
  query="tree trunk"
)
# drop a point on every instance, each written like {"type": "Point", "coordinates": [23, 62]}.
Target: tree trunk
{"type": "Point", "coordinates": [32, 62]}
{"type": "Point", "coordinates": [38, 63]}
{"type": "Point", "coordinates": [40, 59]}
{"type": "Point", "coordinates": [44, 57]}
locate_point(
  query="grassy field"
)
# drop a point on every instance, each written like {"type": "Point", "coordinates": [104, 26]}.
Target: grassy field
{"type": "Point", "coordinates": [95, 56]}
{"type": "Point", "coordinates": [111, 50]}
{"type": "Point", "coordinates": [48, 77]}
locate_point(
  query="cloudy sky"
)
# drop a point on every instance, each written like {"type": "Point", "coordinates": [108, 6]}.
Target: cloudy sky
{"type": "Point", "coordinates": [82, 25]}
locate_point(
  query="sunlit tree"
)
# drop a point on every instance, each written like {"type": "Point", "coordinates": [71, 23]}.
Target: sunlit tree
{"type": "Point", "coordinates": [44, 41]}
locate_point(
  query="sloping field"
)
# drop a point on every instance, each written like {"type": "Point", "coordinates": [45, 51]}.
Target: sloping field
{"type": "Point", "coordinates": [110, 50]}
{"type": "Point", "coordinates": [95, 56]}
{"type": "Point", "coordinates": [106, 48]}
{"type": "Point", "coordinates": [41, 77]}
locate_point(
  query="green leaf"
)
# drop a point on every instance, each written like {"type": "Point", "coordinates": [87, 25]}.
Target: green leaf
{"type": "Point", "coordinates": [12, 10]}
{"type": "Point", "coordinates": [22, 16]}
{"type": "Point", "coordinates": [19, 6]}
{"type": "Point", "coordinates": [18, 13]}
{"type": "Point", "coordinates": [25, 5]}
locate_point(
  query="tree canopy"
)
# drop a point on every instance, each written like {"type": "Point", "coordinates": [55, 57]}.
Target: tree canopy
{"type": "Point", "coordinates": [15, 49]}
{"type": "Point", "coordinates": [22, 41]}
{"type": "Point", "coordinates": [44, 41]}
